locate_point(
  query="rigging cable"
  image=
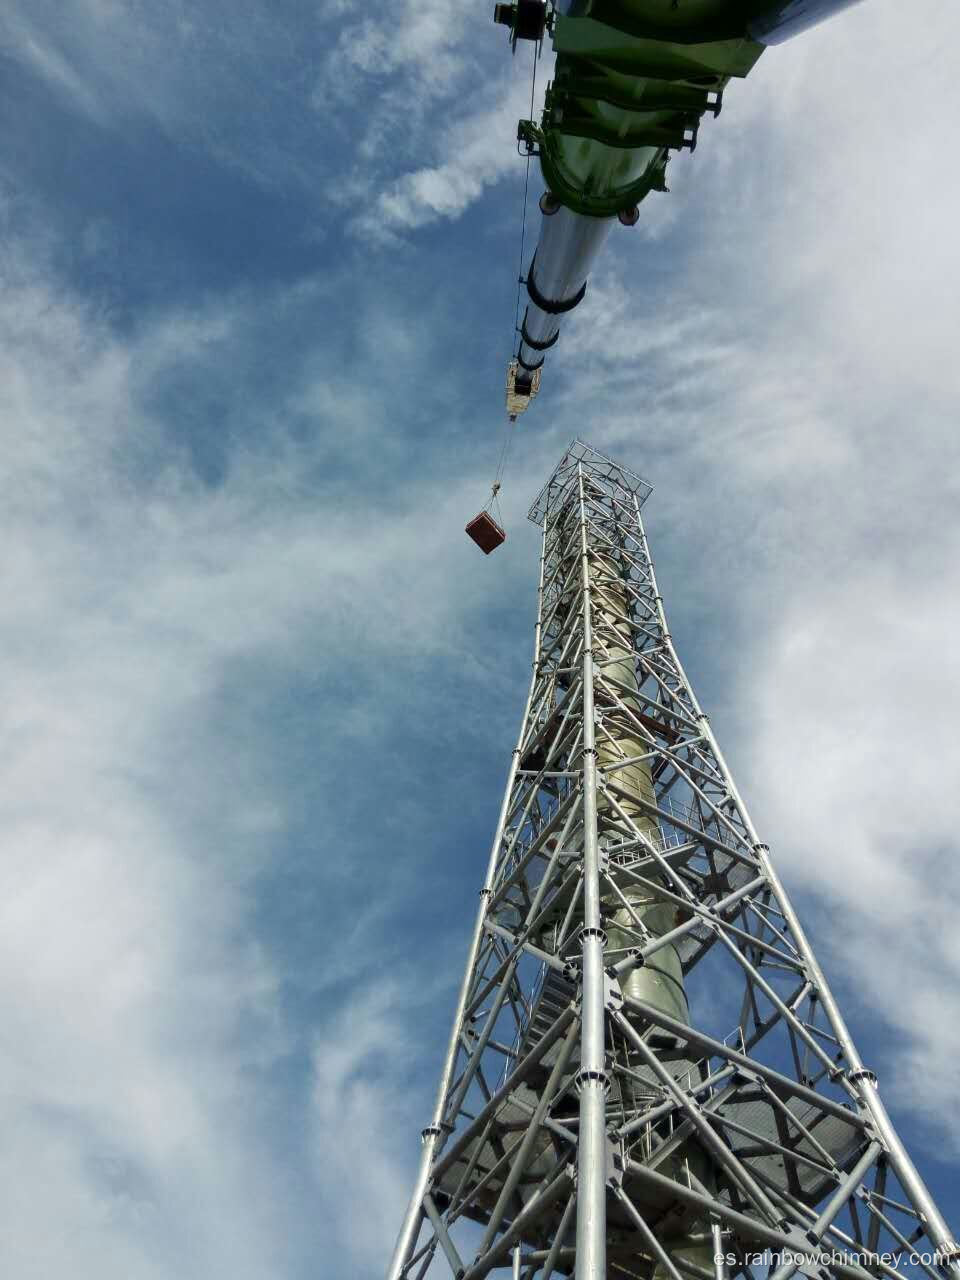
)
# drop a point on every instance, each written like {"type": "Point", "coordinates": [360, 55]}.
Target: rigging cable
{"type": "Point", "coordinates": [509, 425]}
{"type": "Point", "coordinates": [498, 478]}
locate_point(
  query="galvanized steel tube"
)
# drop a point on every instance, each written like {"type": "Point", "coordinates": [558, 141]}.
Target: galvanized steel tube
{"type": "Point", "coordinates": [783, 21]}
{"type": "Point", "coordinates": [592, 1149]}
{"type": "Point", "coordinates": [566, 251]}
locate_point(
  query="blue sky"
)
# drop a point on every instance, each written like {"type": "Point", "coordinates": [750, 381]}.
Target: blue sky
{"type": "Point", "coordinates": [259, 690]}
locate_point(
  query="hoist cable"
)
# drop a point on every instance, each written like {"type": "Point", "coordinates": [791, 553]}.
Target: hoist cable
{"type": "Point", "coordinates": [509, 425]}
{"type": "Point", "coordinates": [507, 441]}
{"type": "Point", "coordinates": [501, 464]}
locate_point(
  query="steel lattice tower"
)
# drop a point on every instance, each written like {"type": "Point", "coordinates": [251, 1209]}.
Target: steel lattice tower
{"type": "Point", "coordinates": [648, 1075]}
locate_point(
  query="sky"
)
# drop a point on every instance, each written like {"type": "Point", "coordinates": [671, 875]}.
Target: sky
{"type": "Point", "coordinates": [257, 275]}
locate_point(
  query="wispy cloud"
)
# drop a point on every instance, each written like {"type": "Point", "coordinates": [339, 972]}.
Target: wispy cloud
{"type": "Point", "coordinates": [177, 640]}
{"type": "Point", "coordinates": [138, 1004]}
{"type": "Point", "coordinates": [362, 1125]}
{"type": "Point", "coordinates": [41, 54]}
{"type": "Point", "coordinates": [474, 153]}
{"type": "Point", "coordinates": [188, 73]}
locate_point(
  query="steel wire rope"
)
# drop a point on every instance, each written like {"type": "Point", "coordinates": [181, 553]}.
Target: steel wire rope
{"type": "Point", "coordinates": [498, 477]}
{"type": "Point", "coordinates": [511, 423]}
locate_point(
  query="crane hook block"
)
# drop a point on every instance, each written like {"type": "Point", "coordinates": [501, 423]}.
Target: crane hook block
{"type": "Point", "coordinates": [521, 388]}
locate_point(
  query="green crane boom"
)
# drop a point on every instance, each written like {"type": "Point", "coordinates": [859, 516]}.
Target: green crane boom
{"type": "Point", "coordinates": [633, 80]}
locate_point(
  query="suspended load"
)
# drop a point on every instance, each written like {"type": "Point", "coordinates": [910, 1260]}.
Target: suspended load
{"type": "Point", "coordinates": [485, 532]}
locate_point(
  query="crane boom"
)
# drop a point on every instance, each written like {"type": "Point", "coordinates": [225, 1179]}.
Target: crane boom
{"type": "Point", "coordinates": [633, 79]}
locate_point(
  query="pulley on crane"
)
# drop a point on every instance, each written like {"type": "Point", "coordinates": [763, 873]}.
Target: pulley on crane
{"type": "Point", "coordinates": [520, 389]}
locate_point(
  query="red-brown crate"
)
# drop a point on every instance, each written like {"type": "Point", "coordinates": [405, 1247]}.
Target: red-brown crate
{"type": "Point", "coordinates": [485, 532]}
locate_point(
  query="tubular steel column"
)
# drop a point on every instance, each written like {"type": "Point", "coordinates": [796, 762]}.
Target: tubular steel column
{"type": "Point", "coordinates": [592, 1080]}
{"type": "Point", "coordinates": [648, 1076]}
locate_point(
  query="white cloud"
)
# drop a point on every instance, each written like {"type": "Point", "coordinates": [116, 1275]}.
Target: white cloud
{"type": "Point", "coordinates": [189, 72]}
{"type": "Point", "coordinates": [364, 1130]}
{"type": "Point", "coordinates": [144, 1013]}
{"type": "Point", "coordinates": [408, 67]}
{"type": "Point", "coordinates": [52, 65]}
{"type": "Point", "coordinates": [857, 695]}
{"type": "Point", "coordinates": [411, 154]}
{"type": "Point", "coordinates": [136, 1004]}
{"type": "Point", "coordinates": [424, 40]}
{"type": "Point", "coordinates": [475, 152]}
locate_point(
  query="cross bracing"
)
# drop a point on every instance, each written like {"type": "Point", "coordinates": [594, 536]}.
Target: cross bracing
{"type": "Point", "coordinates": [648, 1075]}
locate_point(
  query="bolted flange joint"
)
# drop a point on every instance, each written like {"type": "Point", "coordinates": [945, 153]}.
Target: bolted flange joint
{"type": "Point", "coordinates": [583, 1078]}
{"type": "Point", "coordinates": [590, 932]}
{"type": "Point", "coordinates": [862, 1073]}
